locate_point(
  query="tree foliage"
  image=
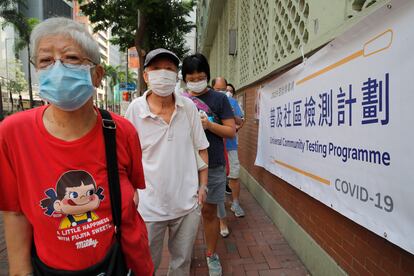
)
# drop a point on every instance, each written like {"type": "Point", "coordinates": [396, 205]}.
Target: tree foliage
{"type": "Point", "coordinates": [24, 41]}
{"type": "Point", "coordinates": [115, 75]}
{"type": "Point", "coordinates": [145, 24]}
{"type": "Point", "coordinates": [122, 76]}
{"type": "Point", "coordinates": [11, 14]}
{"type": "Point", "coordinates": [111, 74]}
{"type": "Point", "coordinates": [163, 23]}
{"type": "Point", "coordinates": [19, 83]}
{"type": "Point", "coordinates": [11, 11]}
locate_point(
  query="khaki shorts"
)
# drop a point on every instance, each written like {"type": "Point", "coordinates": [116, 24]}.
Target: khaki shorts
{"type": "Point", "coordinates": [234, 164]}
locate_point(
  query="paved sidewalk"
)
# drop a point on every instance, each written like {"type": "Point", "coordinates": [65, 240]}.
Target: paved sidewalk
{"type": "Point", "coordinates": [255, 246]}
{"type": "Point", "coordinates": [3, 254]}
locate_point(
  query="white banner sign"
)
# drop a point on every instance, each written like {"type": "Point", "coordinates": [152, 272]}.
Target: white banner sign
{"type": "Point", "coordinates": [340, 127]}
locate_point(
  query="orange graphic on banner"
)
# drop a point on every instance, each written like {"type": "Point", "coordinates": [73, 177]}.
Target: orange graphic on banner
{"type": "Point", "coordinates": [377, 44]}
{"type": "Point", "coordinates": [308, 174]}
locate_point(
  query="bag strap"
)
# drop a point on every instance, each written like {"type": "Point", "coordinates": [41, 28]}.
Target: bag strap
{"type": "Point", "coordinates": [202, 105]}
{"type": "Point", "coordinates": [109, 132]}
{"type": "Point", "coordinates": [189, 121]}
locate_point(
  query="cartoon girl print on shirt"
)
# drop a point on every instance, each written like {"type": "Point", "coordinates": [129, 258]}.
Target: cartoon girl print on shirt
{"type": "Point", "coordinates": [76, 196]}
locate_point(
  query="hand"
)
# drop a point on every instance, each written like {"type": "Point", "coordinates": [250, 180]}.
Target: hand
{"type": "Point", "coordinates": [205, 122]}
{"type": "Point", "coordinates": [202, 194]}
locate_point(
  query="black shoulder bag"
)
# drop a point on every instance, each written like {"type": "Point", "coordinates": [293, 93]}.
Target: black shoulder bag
{"type": "Point", "coordinates": [114, 262]}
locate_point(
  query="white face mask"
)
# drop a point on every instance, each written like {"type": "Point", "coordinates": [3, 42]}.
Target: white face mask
{"type": "Point", "coordinates": [197, 87]}
{"type": "Point", "coordinates": [229, 94]}
{"type": "Point", "coordinates": [162, 82]}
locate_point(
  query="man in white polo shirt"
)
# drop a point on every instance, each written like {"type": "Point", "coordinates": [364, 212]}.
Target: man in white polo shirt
{"type": "Point", "coordinates": [169, 129]}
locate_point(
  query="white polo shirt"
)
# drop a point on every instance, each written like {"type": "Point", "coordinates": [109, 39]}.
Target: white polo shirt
{"type": "Point", "coordinates": [168, 158]}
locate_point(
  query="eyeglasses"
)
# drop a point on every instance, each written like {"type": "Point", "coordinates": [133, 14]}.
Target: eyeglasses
{"type": "Point", "coordinates": [70, 61]}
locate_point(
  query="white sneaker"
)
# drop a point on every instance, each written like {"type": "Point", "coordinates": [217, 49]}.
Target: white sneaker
{"type": "Point", "coordinates": [238, 211]}
{"type": "Point", "coordinates": [214, 265]}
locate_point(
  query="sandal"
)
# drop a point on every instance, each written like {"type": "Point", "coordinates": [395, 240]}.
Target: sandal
{"type": "Point", "coordinates": [225, 232]}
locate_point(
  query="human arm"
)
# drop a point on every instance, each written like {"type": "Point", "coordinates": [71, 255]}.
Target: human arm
{"type": "Point", "coordinates": [238, 127]}
{"type": "Point", "coordinates": [134, 237]}
{"type": "Point", "coordinates": [203, 178]}
{"type": "Point", "coordinates": [223, 110]}
{"type": "Point", "coordinates": [226, 130]}
{"type": "Point", "coordinates": [19, 237]}
{"type": "Point", "coordinates": [18, 231]}
{"type": "Point", "coordinates": [239, 121]}
{"type": "Point", "coordinates": [200, 143]}
{"type": "Point", "coordinates": [238, 114]}
{"type": "Point", "coordinates": [135, 169]}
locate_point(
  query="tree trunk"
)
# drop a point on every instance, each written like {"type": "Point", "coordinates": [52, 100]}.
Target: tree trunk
{"type": "Point", "coordinates": [139, 38]}
{"type": "Point", "coordinates": [11, 98]}
{"type": "Point", "coordinates": [141, 83]}
{"type": "Point", "coordinates": [30, 77]}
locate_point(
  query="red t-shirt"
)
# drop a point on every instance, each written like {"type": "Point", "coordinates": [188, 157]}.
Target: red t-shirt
{"type": "Point", "coordinates": [62, 189]}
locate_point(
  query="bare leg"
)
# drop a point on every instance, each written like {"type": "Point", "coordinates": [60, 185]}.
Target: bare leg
{"type": "Point", "coordinates": [211, 226]}
{"type": "Point", "coordinates": [235, 189]}
{"type": "Point", "coordinates": [235, 206]}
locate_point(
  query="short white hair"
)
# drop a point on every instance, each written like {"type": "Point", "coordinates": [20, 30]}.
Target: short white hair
{"type": "Point", "coordinates": [66, 27]}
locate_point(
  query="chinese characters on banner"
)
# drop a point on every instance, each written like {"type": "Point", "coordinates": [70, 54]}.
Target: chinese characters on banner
{"type": "Point", "coordinates": [340, 127]}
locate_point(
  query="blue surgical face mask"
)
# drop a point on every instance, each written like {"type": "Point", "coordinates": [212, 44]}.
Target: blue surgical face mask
{"type": "Point", "coordinates": [68, 88]}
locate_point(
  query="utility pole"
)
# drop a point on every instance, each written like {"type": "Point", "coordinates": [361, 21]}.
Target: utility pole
{"type": "Point", "coordinates": [1, 102]}
{"type": "Point", "coordinates": [7, 75]}
{"type": "Point", "coordinates": [31, 104]}
{"type": "Point", "coordinates": [126, 77]}
{"type": "Point", "coordinates": [127, 56]}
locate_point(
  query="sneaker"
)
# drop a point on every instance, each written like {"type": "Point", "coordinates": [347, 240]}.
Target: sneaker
{"type": "Point", "coordinates": [225, 232]}
{"type": "Point", "coordinates": [214, 266]}
{"type": "Point", "coordinates": [228, 190]}
{"type": "Point", "coordinates": [238, 211]}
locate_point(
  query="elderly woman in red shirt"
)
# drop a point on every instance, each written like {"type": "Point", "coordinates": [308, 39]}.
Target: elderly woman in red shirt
{"type": "Point", "coordinates": [54, 190]}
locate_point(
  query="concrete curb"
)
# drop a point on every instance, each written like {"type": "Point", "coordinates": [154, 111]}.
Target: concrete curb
{"type": "Point", "coordinates": [316, 260]}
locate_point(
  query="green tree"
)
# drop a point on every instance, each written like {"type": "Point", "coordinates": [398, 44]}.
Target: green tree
{"type": "Point", "coordinates": [111, 76]}
{"type": "Point", "coordinates": [18, 84]}
{"type": "Point", "coordinates": [11, 11]}
{"type": "Point", "coordinates": [111, 73]}
{"type": "Point", "coordinates": [145, 24]}
{"type": "Point", "coordinates": [122, 76]}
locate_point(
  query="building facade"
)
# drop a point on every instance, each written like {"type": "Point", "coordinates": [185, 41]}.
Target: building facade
{"type": "Point", "coordinates": [17, 64]}
{"type": "Point", "coordinates": [103, 42]}
{"type": "Point", "coordinates": [7, 63]}
{"type": "Point", "coordinates": [252, 42]}
{"type": "Point", "coordinates": [41, 9]}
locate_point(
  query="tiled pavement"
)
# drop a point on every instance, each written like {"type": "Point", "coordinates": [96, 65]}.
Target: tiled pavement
{"type": "Point", "coordinates": [3, 255]}
{"type": "Point", "coordinates": [254, 247]}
